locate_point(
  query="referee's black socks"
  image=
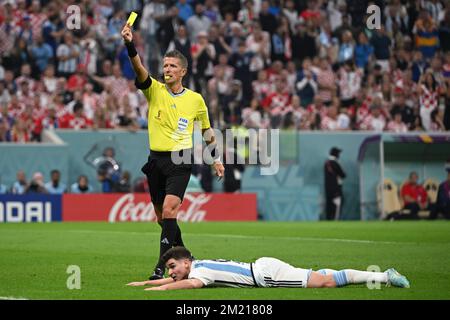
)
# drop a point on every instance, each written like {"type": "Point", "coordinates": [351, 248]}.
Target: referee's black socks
{"type": "Point", "coordinates": [178, 239]}
{"type": "Point", "coordinates": [168, 235]}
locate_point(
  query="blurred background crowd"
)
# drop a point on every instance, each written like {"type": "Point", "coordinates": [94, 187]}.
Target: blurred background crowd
{"type": "Point", "coordinates": [294, 65]}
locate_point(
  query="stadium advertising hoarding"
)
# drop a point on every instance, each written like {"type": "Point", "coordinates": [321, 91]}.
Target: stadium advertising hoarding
{"type": "Point", "coordinates": [137, 207]}
{"type": "Point", "coordinates": [30, 208]}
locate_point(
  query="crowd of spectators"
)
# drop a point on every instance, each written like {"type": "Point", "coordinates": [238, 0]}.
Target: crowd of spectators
{"type": "Point", "coordinates": [300, 65]}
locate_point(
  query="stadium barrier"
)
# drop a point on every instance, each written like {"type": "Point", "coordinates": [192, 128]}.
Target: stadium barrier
{"type": "Point", "coordinates": [124, 207]}
{"type": "Point", "coordinates": [30, 208]}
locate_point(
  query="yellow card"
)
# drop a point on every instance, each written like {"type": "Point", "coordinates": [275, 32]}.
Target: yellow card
{"type": "Point", "coordinates": [132, 18]}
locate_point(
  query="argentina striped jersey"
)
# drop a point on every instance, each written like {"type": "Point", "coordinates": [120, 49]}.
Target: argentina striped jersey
{"type": "Point", "coordinates": [223, 273]}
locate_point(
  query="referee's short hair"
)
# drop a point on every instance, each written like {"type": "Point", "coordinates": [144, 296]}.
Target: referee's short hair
{"type": "Point", "coordinates": [177, 54]}
{"type": "Point", "coordinates": [177, 253]}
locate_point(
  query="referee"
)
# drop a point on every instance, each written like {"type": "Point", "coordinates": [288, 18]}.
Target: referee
{"type": "Point", "coordinates": [171, 115]}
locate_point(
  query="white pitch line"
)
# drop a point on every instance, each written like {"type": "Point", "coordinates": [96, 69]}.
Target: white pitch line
{"type": "Point", "coordinates": [236, 236]}
{"type": "Point", "coordinates": [12, 298]}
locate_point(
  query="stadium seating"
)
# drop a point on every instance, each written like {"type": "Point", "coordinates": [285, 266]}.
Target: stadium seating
{"type": "Point", "coordinates": [388, 198]}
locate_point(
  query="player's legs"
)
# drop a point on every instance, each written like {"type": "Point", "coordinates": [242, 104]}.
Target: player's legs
{"type": "Point", "coordinates": [272, 272]}
{"type": "Point", "coordinates": [328, 278]}
{"type": "Point", "coordinates": [318, 280]}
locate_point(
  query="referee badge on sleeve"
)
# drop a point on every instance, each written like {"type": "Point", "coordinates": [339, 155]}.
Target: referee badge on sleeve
{"type": "Point", "coordinates": [182, 124]}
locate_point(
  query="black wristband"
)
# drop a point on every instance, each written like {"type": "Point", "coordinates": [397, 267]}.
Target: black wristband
{"type": "Point", "coordinates": [131, 49]}
{"type": "Point", "coordinates": [214, 151]}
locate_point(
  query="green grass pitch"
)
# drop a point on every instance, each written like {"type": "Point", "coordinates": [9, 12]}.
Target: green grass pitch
{"type": "Point", "coordinates": [34, 257]}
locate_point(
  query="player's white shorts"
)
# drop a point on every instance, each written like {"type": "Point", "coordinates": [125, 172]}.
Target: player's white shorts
{"type": "Point", "coordinates": [271, 272]}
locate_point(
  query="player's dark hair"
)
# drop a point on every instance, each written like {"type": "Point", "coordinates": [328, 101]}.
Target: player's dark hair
{"type": "Point", "coordinates": [177, 54]}
{"type": "Point", "coordinates": [177, 253]}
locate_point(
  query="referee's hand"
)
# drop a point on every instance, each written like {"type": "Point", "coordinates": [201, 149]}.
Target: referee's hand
{"type": "Point", "coordinates": [126, 33]}
{"type": "Point", "coordinates": [219, 168]}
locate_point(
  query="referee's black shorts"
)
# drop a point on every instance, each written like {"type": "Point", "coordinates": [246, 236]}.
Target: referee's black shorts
{"type": "Point", "coordinates": [165, 177]}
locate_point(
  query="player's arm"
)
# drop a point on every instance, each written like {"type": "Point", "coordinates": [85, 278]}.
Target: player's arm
{"type": "Point", "coordinates": [158, 282]}
{"type": "Point", "coordinates": [141, 73]}
{"type": "Point", "coordinates": [177, 285]}
{"type": "Point", "coordinates": [211, 144]}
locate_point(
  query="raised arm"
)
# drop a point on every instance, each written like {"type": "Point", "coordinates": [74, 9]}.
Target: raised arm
{"type": "Point", "coordinates": [141, 73]}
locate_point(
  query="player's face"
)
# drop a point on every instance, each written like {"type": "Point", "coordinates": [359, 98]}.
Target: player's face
{"type": "Point", "coordinates": [178, 269]}
{"type": "Point", "coordinates": [173, 70]}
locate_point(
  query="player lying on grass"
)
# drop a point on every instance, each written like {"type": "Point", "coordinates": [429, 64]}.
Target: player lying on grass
{"type": "Point", "coordinates": [187, 273]}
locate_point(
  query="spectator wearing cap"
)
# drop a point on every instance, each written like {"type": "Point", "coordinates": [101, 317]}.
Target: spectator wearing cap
{"type": "Point", "coordinates": [334, 175]}
{"type": "Point", "coordinates": [198, 22]}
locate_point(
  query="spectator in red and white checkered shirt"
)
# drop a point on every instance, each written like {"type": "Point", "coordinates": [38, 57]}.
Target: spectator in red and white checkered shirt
{"type": "Point", "coordinates": [428, 98]}
{"type": "Point", "coordinates": [375, 121]}
{"type": "Point", "coordinates": [326, 81]}
{"type": "Point", "coordinates": [277, 103]}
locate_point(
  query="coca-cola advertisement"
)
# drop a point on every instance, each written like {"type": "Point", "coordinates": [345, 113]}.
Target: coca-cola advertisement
{"type": "Point", "coordinates": [137, 207]}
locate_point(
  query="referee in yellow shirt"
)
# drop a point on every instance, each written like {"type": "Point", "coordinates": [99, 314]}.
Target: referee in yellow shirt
{"type": "Point", "coordinates": [171, 115]}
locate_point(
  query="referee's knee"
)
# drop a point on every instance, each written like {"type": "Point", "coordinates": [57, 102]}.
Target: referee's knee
{"type": "Point", "coordinates": [169, 212]}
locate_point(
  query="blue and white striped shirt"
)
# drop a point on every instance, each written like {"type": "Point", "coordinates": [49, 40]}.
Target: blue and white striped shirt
{"type": "Point", "coordinates": [223, 273]}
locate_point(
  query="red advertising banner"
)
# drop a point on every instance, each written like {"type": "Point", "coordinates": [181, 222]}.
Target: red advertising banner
{"type": "Point", "coordinates": [120, 207]}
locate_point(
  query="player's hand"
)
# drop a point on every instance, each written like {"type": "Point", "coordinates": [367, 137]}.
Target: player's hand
{"type": "Point", "coordinates": [137, 283]}
{"type": "Point", "coordinates": [219, 168]}
{"type": "Point", "coordinates": [126, 33]}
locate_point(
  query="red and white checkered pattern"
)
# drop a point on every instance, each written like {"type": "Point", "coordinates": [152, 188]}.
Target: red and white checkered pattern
{"type": "Point", "coordinates": [428, 99]}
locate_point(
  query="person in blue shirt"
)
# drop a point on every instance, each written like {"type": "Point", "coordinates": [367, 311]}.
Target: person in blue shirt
{"type": "Point", "coordinates": [3, 189]}
{"type": "Point", "coordinates": [41, 53]}
{"type": "Point", "coordinates": [20, 185]}
{"type": "Point", "coordinates": [55, 186]}
{"type": "Point", "coordinates": [185, 10]}
{"type": "Point", "coordinates": [81, 186]}
{"type": "Point", "coordinates": [363, 51]}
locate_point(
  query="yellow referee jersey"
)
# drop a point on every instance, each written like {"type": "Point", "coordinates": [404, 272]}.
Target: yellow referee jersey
{"type": "Point", "coordinates": [171, 116]}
